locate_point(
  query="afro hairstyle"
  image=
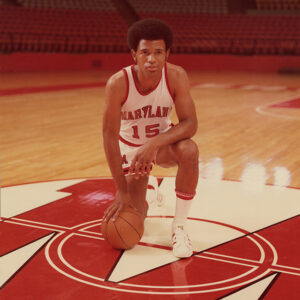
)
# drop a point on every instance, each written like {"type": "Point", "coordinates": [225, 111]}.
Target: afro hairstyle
{"type": "Point", "coordinates": [149, 29]}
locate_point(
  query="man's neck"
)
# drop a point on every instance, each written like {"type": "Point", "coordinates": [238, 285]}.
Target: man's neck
{"type": "Point", "coordinates": [146, 83]}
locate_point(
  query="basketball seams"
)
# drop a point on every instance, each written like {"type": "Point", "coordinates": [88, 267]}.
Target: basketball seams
{"type": "Point", "coordinates": [104, 229]}
{"type": "Point", "coordinates": [126, 232]}
{"type": "Point", "coordinates": [121, 239]}
{"type": "Point", "coordinates": [130, 225]}
{"type": "Point", "coordinates": [106, 236]}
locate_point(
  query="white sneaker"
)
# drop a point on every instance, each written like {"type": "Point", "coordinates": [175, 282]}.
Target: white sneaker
{"type": "Point", "coordinates": [182, 246]}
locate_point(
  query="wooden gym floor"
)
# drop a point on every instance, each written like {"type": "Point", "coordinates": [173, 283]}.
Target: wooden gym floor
{"type": "Point", "coordinates": [245, 240]}
{"type": "Point", "coordinates": [51, 124]}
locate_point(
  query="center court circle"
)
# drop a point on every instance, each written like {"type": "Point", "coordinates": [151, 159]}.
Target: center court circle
{"type": "Point", "coordinates": [55, 257]}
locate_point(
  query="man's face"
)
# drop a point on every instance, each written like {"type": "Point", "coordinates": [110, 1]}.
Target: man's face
{"type": "Point", "coordinates": [151, 56]}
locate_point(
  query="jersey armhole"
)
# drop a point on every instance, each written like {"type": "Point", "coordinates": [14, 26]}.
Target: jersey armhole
{"type": "Point", "coordinates": [167, 82]}
{"type": "Point", "coordinates": [127, 87]}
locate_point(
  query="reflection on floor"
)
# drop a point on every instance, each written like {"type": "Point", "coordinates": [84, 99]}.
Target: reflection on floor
{"type": "Point", "coordinates": [245, 241]}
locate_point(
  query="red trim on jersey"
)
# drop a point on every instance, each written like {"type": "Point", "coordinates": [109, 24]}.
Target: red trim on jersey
{"type": "Point", "coordinates": [128, 143]}
{"type": "Point", "coordinates": [127, 87]}
{"type": "Point", "coordinates": [167, 82]}
{"type": "Point", "coordinates": [136, 86]}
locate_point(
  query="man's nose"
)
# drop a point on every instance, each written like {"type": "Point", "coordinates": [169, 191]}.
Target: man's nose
{"type": "Point", "coordinates": [151, 58]}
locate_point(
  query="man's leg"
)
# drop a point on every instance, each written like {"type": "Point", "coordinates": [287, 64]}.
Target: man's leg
{"type": "Point", "coordinates": [137, 189]}
{"type": "Point", "coordinates": [184, 154]}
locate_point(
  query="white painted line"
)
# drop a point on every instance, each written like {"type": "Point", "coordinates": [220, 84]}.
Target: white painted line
{"type": "Point", "coordinates": [89, 222]}
{"type": "Point", "coordinates": [146, 292]}
{"type": "Point", "coordinates": [89, 236]}
{"type": "Point", "coordinates": [259, 109]}
{"type": "Point", "coordinates": [40, 223]}
{"type": "Point", "coordinates": [281, 266]}
{"type": "Point", "coordinates": [285, 272]}
{"type": "Point", "coordinates": [224, 260]}
{"type": "Point", "coordinates": [271, 246]}
{"type": "Point", "coordinates": [34, 226]}
{"type": "Point", "coordinates": [233, 257]}
{"type": "Point", "coordinates": [60, 255]}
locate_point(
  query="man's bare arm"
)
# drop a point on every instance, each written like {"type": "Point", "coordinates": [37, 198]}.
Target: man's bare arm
{"type": "Point", "coordinates": [114, 95]}
{"type": "Point", "coordinates": [185, 109]}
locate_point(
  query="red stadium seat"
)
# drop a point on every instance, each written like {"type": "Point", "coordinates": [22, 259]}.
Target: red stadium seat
{"type": "Point", "coordinates": [96, 26]}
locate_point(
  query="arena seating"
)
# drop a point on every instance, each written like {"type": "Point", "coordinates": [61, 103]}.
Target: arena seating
{"type": "Point", "coordinates": [182, 7]}
{"type": "Point", "coordinates": [103, 5]}
{"type": "Point", "coordinates": [61, 30]}
{"type": "Point", "coordinates": [238, 34]}
{"type": "Point", "coordinates": [206, 26]}
{"type": "Point", "coordinates": [278, 4]}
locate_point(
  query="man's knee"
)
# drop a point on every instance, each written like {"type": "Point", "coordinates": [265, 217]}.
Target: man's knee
{"type": "Point", "coordinates": [186, 151]}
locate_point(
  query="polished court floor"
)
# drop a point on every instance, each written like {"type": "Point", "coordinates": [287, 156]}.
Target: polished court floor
{"type": "Point", "coordinates": [56, 184]}
{"type": "Point", "coordinates": [51, 124]}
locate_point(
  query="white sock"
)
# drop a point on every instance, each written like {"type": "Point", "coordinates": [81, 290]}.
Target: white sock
{"type": "Point", "coordinates": [181, 212]}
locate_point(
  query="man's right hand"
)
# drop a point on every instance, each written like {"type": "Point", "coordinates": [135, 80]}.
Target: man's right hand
{"type": "Point", "coordinates": [122, 200]}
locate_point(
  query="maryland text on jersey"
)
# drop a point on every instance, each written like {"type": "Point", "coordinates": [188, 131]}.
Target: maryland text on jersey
{"type": "Point", "coordinates": [145, 112]}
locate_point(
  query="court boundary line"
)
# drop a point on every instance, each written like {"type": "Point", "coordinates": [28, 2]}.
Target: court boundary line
{"type": "Point", "coordinates": [260, 109]}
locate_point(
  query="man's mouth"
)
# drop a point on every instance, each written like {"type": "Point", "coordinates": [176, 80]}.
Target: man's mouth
{"type": "Point", "coordinates": [151, 68]}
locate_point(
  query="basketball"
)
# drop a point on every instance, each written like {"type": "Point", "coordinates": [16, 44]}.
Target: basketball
{"type": "Point", "coordinates": [126, 231]}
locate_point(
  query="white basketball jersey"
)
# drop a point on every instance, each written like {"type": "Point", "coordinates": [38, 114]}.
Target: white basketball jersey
{"type": "Point", "coordinates": [145, 115]}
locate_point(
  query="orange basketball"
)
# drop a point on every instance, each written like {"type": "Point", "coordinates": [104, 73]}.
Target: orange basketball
{"type": "Point", "coordinates": [126, 231]}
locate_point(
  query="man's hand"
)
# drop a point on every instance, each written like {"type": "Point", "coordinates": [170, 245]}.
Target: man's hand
{"type": "Point", "coordinates": [122, 200]}
{"type": "Point", "coordinates": [142, 163]}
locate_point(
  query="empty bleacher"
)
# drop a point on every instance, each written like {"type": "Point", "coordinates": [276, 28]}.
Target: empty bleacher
{"type": "Point", "coordinates": [61, 30]}
{"type": "Point", "coordinates": [182, 7]}
{"type": "Point", "coordinates": [237, 34]}
{"type": "Point", "coordinates": [200, 26]}
{"type": "Point", "coordinates": [278, 4]}
{"type": "Point", "coordinates": [103, 5]}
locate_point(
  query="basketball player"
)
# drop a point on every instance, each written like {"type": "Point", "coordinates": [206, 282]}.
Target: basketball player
{"type": "Point", "coordinates": [137, 131]}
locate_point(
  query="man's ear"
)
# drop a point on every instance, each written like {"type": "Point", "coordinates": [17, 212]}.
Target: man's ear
{"type": "Point", "coordinates": [133, 54]}
{"type": "Point", "coordinates": [167, 54]}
